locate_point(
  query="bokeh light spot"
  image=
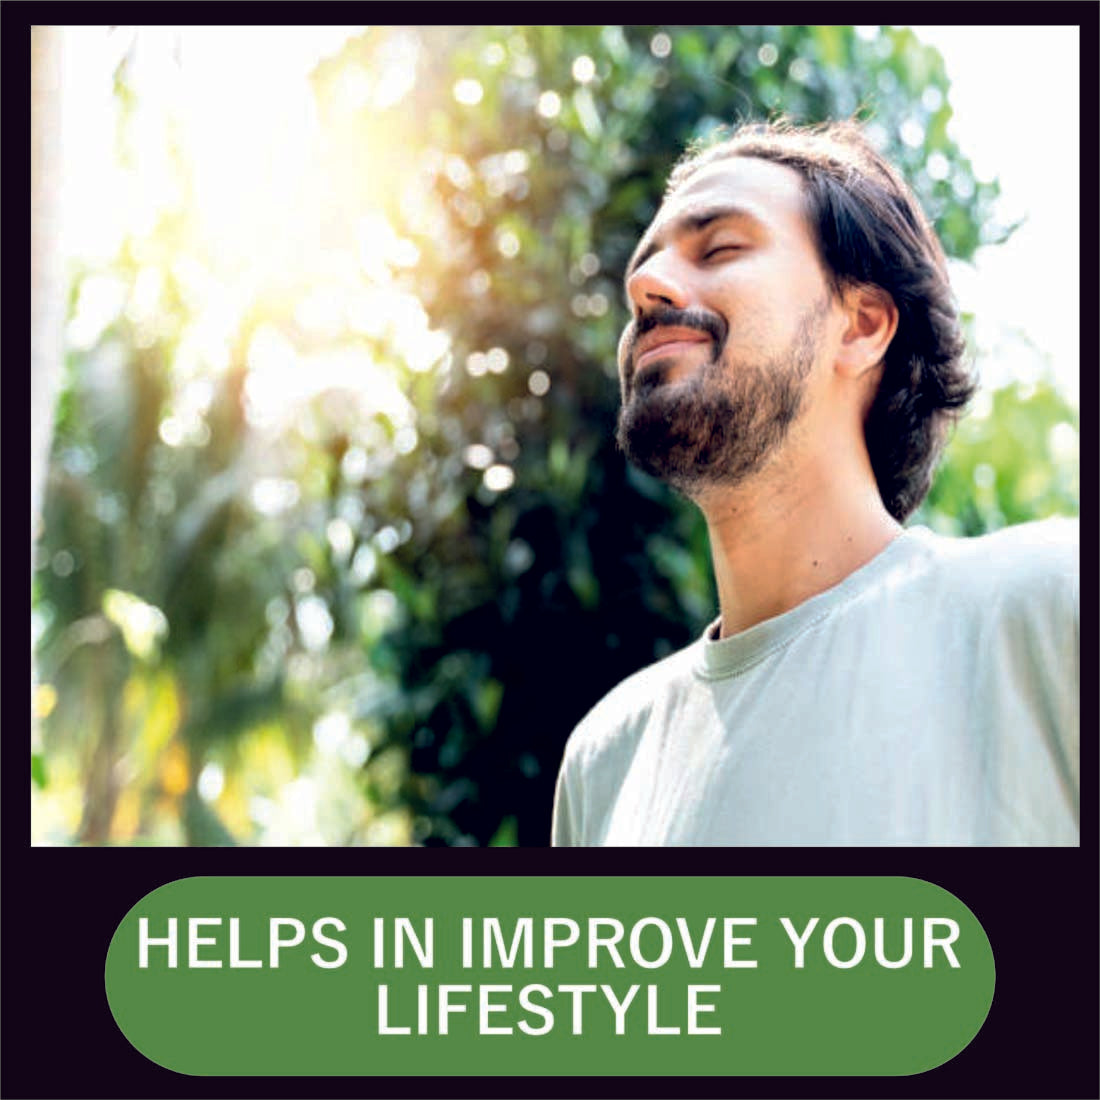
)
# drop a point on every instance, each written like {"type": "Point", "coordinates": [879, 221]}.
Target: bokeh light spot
{"type": "Point", "coordinates": [468, 92]}
{"type": "Point", "coordinates": [498, 478]}
{"type": "Point", "coordinates": [584, 69]}
{"type": "Point", "coordinates": [660, 45]}
{"type": "Point", "coordinates": [478, 456]}
{"type": "Point", "coordinates": [549, 105]}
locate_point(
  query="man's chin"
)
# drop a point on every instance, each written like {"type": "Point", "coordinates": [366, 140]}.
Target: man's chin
{"type": "Point", "coordinates": [653, 437]}
{"type": "Point", "coordinates": [660, 374]}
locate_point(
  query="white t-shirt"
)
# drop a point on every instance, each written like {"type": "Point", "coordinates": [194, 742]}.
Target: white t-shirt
{"type": "Point", "coordinates": [930, 698]}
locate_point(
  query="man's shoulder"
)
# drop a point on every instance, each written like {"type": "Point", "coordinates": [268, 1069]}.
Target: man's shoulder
{"type": "Point", "coordinates": [1024, 577]}
{"type": "Point", "coordinates": [620, 716]}
{"type": "Point", "coordinates": [1043, 552]}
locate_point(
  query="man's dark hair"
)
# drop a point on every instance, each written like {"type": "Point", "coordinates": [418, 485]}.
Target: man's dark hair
{"type": "Point", "coordinates": [870, 229]}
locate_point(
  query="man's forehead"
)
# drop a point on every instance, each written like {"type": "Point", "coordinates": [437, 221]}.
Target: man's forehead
{"type": "Point", "coordinates": [768, 190]}
{"type": "Point", "coordinates": [768, 194]}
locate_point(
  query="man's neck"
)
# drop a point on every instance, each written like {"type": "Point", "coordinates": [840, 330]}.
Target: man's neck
{"type": "Point", "coordinates": [775, 545]}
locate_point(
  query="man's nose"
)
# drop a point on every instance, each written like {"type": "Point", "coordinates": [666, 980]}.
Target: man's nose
{"type": "Point", "coordinates": [661, 280]}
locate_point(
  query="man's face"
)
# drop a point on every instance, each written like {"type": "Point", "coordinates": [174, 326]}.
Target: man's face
{"type": "Point", "coordinates": [730, 307]}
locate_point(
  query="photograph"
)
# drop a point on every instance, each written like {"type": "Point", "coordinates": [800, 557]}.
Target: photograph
{"type": "Point", "coordinates": [653, 453]}
{"type": "Point", "coordinates": [580, 435]}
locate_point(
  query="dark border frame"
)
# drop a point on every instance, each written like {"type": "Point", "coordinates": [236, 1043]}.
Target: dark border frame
{"type": "Point", "coordinates": [1039, 907]}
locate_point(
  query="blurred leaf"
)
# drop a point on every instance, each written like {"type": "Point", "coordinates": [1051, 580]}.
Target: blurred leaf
{"type": "Point", "coordinates": [38, 770]}
{"type": "Point", "coordinates": [142, 624]}
{"type": "Point", "coordinates": [506, 835]}
{"type": "Point", "coordinates": [204, 827]}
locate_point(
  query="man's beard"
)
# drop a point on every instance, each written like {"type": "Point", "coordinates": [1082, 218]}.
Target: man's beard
{"type": "Point", "coordinates": [721, 425]}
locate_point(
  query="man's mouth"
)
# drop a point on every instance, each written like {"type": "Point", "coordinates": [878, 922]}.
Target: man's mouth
{"type": "Point", "coordinates": [666, 342]}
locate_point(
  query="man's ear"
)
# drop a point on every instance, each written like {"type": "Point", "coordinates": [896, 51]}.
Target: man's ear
{"type": "Point", "coordinates": [872, 322]}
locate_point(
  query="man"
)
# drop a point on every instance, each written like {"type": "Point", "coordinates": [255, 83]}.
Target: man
{"type": "Point", "coordinates": [792, 365]}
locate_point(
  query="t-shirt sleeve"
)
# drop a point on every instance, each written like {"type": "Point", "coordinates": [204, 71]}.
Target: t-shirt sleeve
{"type": "Point", "coordinates": [1066, 667]}
{"type": "Point", "coordinates": [1041, 623]}
{"type": "Point", "coordinates": [1059, 648]}
{"type": "Point", "coordinates": [565, 829]}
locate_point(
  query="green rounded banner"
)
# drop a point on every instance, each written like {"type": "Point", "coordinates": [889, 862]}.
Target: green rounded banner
{"type": "Point", "coordinates": [549, 976]}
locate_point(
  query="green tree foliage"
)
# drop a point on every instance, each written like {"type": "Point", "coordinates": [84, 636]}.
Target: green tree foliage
{"type": "Point", "coordinates": [1013, 459]}
{"type": "Point", "coordinates": [462, 563]}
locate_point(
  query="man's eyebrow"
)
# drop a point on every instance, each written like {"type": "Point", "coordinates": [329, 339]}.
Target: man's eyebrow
{"type": "Point", "coordinates": [691, 221]}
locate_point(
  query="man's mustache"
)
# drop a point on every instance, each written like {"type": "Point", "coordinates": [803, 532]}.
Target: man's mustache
{"type": "Point", "coordinates": [669, 316]}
